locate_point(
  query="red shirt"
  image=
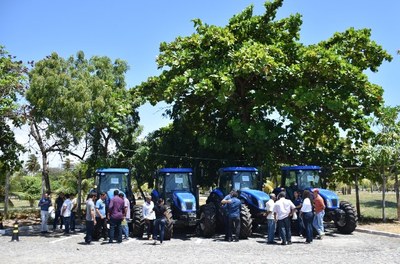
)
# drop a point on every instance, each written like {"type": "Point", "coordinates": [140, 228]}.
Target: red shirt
{"type": "Point", "coordinates": [319, 204]}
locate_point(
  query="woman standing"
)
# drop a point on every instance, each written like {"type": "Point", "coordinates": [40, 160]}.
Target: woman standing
{"type": "Point", "coordinates": [306, 213]}
{"type": "Point", "coordinates": [149, 216]}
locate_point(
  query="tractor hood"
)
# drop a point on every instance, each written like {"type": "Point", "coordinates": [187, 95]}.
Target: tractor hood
{"type": "Point", "coordinates": [185, 201]}
{"type": "Point", "coordinates": [255, 198]}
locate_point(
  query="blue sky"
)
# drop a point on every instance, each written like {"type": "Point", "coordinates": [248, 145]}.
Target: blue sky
{"type": "Point", "coordinates": [132, 31]}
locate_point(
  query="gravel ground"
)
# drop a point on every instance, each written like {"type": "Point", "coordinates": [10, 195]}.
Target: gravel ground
{"type": "Point", "coordinates": [333, 248]}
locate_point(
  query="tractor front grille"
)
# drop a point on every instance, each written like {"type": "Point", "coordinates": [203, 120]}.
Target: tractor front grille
{"type": "Point", "coordinates": [334, 202]}
{"type": "Point", "coordinates": [189, 205]}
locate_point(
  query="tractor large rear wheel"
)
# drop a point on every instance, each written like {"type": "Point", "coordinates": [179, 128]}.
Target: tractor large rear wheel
{"type": "Point", "coordinates": [349, 223]}
{"type": "Point", "coordinates": [169, 225]}
{"type": "Point", "coordinates": [245, 222]}
{"type": "Point", "coordinates": [207, 221]}
{"type": "Point", "coordinates": [137, 221]}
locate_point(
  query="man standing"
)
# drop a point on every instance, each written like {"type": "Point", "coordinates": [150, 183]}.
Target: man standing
{"type": "Point", "coordinates": [283, 209]}
{"type": "Point", "coordinates": [66, 212]}
{"type": "Point", "coordinates": [44, 204]}
{"type": "Point", "coordinates": [116, 212]}
{"type": "Point", "coordinates": [73, 211]}
{"type": "Point", "coordinates": [100, 229]}
{"type": "Point", "coordinates": [125, 221]}
{"type": "Point", "coordinates": [234, 205]}
{"type": "Point", "coordinates": [319, 207]}
{"type": "Point", "coordinates": [159, 224]}
{"type": "Point", "coordinates": [59, 203]}
{"type": "Point", "coordinates": [270, 219]}
{"type": "Point", "coordinates": [90, 217]}
{"type": "Point", "coordinates": [224, 210]}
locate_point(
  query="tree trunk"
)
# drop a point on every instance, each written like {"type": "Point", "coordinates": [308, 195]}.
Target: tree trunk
{"type": "Point", "coordinates": [7, 194]}
{"type": "Point", "coordinates": [357, 197]}
{"type": "Point", "coordinates": [79, 195]}
{"type": "Point", "coordinates": [45, 174]}
{"type": "Point", "coordinates": [396, 187]}
{"type": "Point", "coordinates": [383, 195]}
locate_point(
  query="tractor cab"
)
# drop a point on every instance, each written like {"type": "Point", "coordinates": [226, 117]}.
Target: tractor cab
{"type": "Point", "coordinates": [176, 187]}
{"type": "Point", "coordinates": [300, 178]}
{"type": "Point", "coordinates": [110, 179]}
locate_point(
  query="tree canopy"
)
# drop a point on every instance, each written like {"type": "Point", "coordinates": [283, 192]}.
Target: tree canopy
{"type": "Point", "coordinates": [252, 91]}
{"type": "Point", "coordinates": [12, 84]}
{"type": "Point", "coordinates": [79, 102]}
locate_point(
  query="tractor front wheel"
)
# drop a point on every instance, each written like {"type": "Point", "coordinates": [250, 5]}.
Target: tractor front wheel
{"type": "Point", "coordinates": [137, 221]}
{"type": "Point", "coordinates": [169, 225]}
{"type": "Point", "coordinates": [207, 221]}
{"type": "Point", "coordinates": [245, 222]}
{"type": "Point", "coordinates": [348, 223]}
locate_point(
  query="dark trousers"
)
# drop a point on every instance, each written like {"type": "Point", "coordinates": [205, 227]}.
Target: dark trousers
{"type": "Point", "coordinates": [159, 228]}
{"type": "Point", "coordinates": [100, 229]}
{"type": "Point", "coordinates": [234, 227]}
{"type": "Point", "coordinates": [89, 231]}
{"type": "Point", "coordinates": [115, 228]}
{"type": "Point", "coordinates": [284, 230]}
{"type": "Point", "coordinates": [58, 216]}
{"type": "Point", "coordinates": [66, 221]}
{"type": "Point", "coordinates": [72, 221]}
{"type": "Point", "coordinates": [308, 220]}
{"type": "Point", "coordinates": [150, 225]}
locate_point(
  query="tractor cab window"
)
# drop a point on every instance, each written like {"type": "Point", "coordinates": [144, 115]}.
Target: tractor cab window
{"type": "Point", "coordinates": [109, 181]}
{"type": "Point", "coordinates": [308, 179]}
{"type": "Point", "coordinates": [177, 182]}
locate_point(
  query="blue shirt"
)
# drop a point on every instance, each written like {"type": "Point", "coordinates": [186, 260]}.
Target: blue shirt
{"type": "Point", "coordinates": [101, 206]}
{"type": "Point", "coordinates": [234, 208]}
{"type": "Point", "coordinates": [44, 204]}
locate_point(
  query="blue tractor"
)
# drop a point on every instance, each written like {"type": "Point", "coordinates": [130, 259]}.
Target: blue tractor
{"type": "Point", "coordinates": [248, 182]}
{"type": "Point", "coordinates": [299, 178]}
{"type": "Point", "coordinates": [176, 186]}
{"type": "Point", "coordinates": [110, 179]}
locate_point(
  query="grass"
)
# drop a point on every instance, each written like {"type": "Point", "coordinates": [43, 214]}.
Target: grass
{"type": "Point", "coordinates": [371, 205]}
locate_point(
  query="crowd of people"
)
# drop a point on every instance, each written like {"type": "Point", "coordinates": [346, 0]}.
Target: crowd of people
{"type": "Point", "coordinates": [103, 221]}
{"type": "Point", "coordinates": [306, 210]}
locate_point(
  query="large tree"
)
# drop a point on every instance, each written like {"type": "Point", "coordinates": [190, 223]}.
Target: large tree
{"type": "Point", "coordinates": [12, 84]}
{"type": "Point", "coordinates": [77, 102]}
{"type": "Point", "coordinates": [252, 90]}
{"type": "Point", "coordinates": [382, 152]}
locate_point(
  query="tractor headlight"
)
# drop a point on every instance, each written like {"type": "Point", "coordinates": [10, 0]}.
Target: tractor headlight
{"type": "Point", "coordinates": [260, 204]}
{"type": "Point", "coordinates": [328, 203]}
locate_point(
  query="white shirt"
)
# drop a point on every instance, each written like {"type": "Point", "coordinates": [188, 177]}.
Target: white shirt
{"type": "Point", "coordinates": [283, 207]}
{"type": "Point", "coordinates": [66, 208]}
{"type": "Point", "coordinates": [148, 212]}
{"type": "Point", "coordinates": [270, 209]}
{"type": "Point", "coordinates": [306, 208]}
{"type": "Point", "coordinates": [127, 204]}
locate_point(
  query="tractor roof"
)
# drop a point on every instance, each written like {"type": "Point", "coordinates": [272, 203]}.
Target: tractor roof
{"type": "Point", "coordinates": [230, 169]}
{"type": "Point", "coordinates": [112, 170]}
{"type": "Point", "coordinates": [301, 168]}
{"type": "Point", "coordinates": [175, 170]}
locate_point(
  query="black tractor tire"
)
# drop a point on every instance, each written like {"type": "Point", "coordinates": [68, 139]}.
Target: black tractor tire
{"type": "Point", "coordinates": [350, 218]}
{"type": "Point", "coordinates": [169, 225]}
{"type": "Point", "coordinates": [207, 221]}
{"type": "Point", "coordinates": [245, 222]}
{"type": "Point", "coordinates": [137, 221]}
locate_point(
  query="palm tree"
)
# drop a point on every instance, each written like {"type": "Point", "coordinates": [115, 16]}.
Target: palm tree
{"type": "Point", "coordinates": [32, 164]}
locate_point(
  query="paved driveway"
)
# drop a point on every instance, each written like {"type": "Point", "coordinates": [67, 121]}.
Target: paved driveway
{"type": "Point", "coordinates": [333, 248]}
